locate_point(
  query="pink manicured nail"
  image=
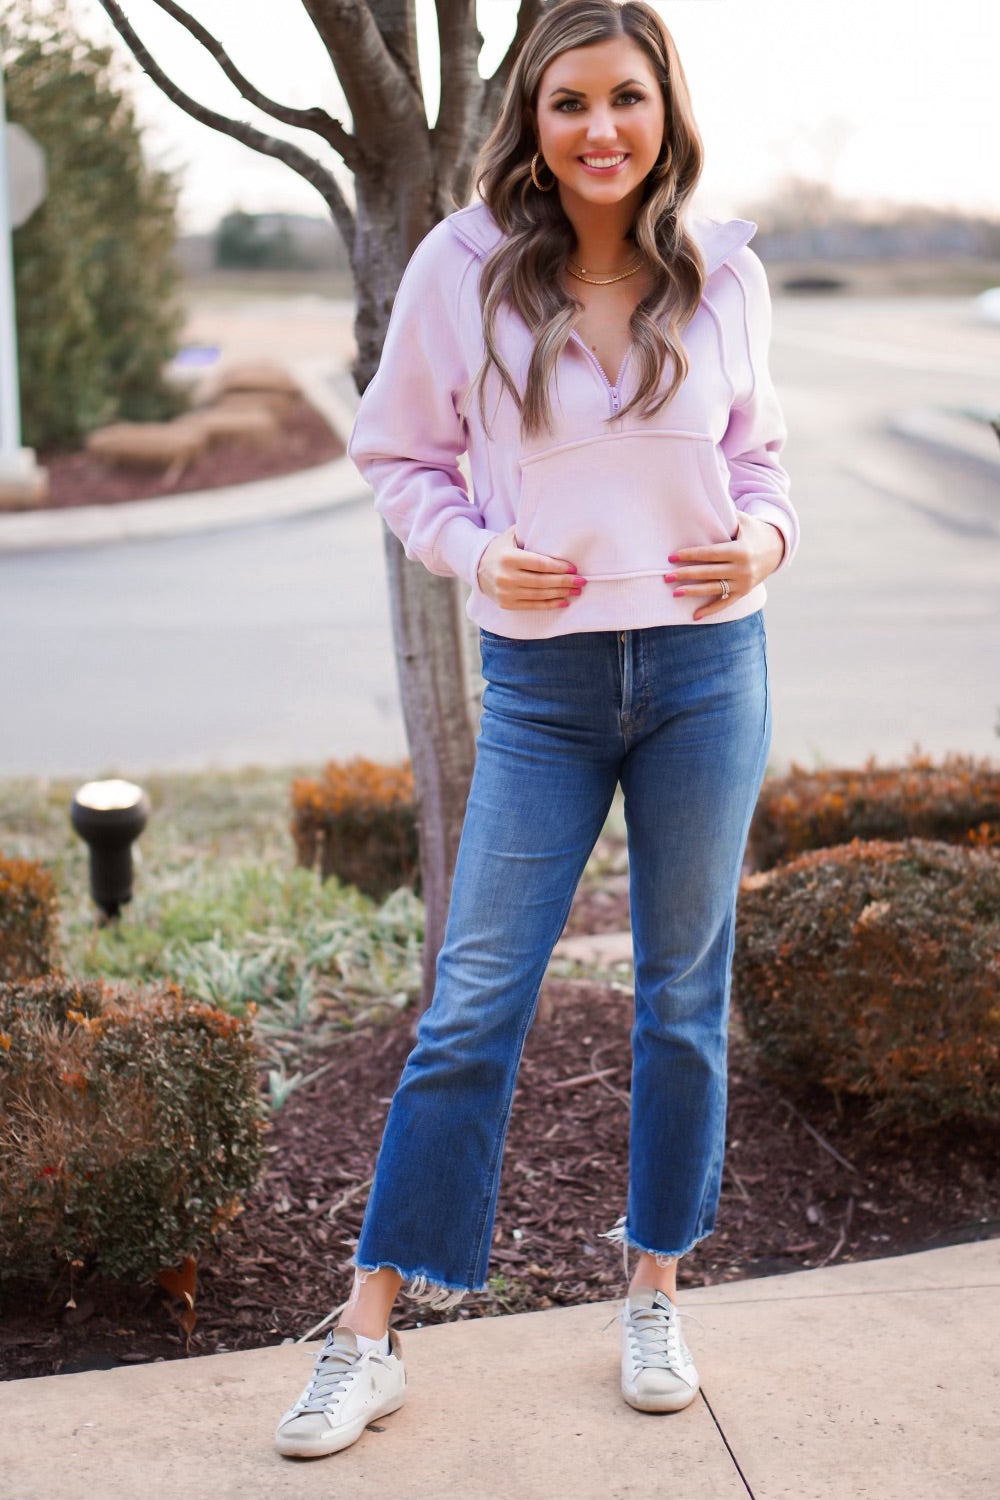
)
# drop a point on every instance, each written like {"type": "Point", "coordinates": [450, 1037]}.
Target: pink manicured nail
{"type": "Point", "coordinates": [679, 593]}
{"type": "Point", "coordinates": [672, 557]}
{"type": "Point", "coordinates": [563, 604]}
{"type": "Point", "coordinates": [670, 577]}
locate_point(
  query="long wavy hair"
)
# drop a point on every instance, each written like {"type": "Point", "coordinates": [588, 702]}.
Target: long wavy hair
{"type": "Point", "coordinates": [524, 271]}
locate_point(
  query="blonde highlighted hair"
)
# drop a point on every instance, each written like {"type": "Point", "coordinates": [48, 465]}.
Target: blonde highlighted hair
{"type": "Point", "coordinates": [524, 271]}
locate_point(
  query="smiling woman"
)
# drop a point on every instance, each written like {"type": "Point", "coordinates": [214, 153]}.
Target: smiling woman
{"type": "Point", "coordinates": [601, 355]}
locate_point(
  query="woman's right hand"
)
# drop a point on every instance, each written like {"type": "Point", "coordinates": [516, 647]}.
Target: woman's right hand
{"type": "Point", "coordinates": [516, 579]}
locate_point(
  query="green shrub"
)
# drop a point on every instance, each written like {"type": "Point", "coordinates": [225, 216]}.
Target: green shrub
{"type": "Point", "coordinates": [130, 1127]}
{"type": "Point", "coordinates": [359, 823]}
{"type": "Point", "coordinates": [255, 242]}
{"type": "Point", "coordinates": [957, 801]}
{"type": "Point", "coordinates": [28, 918]}
{"type": "Point", "coordinates": [98, 311]}
{"type": "Point", "coordinates": [873, 969]}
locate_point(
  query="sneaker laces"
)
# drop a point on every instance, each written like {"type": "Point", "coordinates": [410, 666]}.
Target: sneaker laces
{"type": "Point", "coordinates": [657, 1332]}
{"type": "Point", "coordinates": [336, 1367]}
{"type": "Point", "coordinates": [658, 1336]}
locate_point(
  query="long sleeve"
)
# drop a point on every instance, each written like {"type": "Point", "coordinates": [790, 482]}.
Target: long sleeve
{"type": "Point", "coordinates": [408, 434]}
{"type": "Point", "coordinates": [756, 432]}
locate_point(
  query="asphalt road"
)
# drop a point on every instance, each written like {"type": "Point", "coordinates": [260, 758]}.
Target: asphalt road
{"type": "Point", "coordinates": [270, 645]}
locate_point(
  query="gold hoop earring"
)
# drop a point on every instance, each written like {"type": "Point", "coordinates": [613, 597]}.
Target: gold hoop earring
{"type": "Point", "coordinates": [534, 174]}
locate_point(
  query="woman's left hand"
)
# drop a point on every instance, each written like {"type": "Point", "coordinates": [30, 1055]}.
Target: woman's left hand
{"type": "Point", "coordinates": [744, 562]}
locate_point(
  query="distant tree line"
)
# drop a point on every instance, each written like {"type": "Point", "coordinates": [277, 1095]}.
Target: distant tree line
{"type": "Point", "coordinates": [804, 219]}
{"type": "Point", "coordinates": [277, 241]}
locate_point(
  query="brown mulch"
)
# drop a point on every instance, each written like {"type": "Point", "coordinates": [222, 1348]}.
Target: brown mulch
{"type": "Point", "coordinates": [803, 1186]}
{"type": "Point", "coordinates": [304, 439]}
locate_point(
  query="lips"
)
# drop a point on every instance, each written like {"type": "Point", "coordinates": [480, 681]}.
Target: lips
{"type": "Point", "coordinates": [605, 162]}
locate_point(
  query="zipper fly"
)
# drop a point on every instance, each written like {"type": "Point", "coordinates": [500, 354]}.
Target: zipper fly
{"type": "Point", "coordinates": [632, 675]}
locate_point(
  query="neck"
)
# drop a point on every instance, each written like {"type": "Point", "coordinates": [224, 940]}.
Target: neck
{"type": "Point", "coordinates": [600, 232]}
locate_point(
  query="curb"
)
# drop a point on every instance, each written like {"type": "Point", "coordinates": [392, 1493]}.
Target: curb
{"type": "Point", "coordinates": [301, 493]}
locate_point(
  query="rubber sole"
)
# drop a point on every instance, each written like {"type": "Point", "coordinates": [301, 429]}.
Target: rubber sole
{"type": "Point", "coordinates": [666, 1402]}
{"type": "Point", "coordinates": [337, 1438]}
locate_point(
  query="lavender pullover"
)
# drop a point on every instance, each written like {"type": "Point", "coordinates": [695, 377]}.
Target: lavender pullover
{"type": "Point", "coordinates": [614, 495]}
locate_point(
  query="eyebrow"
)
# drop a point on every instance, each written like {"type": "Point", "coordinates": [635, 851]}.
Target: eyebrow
{"type": "Point", "coordinates": [577, 94]}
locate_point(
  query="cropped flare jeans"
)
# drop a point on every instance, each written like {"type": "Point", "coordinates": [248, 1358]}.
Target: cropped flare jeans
{"type": "Point", "coordinates": [680, 716]}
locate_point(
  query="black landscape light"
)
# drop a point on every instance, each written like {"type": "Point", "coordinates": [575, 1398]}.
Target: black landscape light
{"type": "Point", "coordinates": [109, 816]}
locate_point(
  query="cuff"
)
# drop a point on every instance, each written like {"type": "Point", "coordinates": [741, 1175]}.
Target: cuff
{"type": "Point", "coordinates": [460, 545]}
{"type": "Point", "coordinates": [766, 510]}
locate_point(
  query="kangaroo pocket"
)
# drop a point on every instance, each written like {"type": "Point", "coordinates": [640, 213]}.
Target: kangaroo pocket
{"type": "Point", "coordinates": [617, 505]}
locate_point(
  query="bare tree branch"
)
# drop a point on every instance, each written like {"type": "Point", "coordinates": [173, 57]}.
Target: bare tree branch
{"type": "Point", "coordinates": [527, 15]}
{"type": "Point", "coordinates": [455, 135]}
{"type": "Point", "coordinates": [316, 120]}
{"type": "Point", "coordinates": [397, 21]}
{"type": "Point", "coordinates": [299, 161]}
{"type": "Point", "coordinates": [380, 92]}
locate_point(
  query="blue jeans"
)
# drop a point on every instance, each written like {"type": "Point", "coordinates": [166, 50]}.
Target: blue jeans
{"type": "Point", "coordinates": [680, 716]}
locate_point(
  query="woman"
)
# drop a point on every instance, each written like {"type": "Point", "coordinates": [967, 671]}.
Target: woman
{"type": "Point", "coordinates": [628, 502]}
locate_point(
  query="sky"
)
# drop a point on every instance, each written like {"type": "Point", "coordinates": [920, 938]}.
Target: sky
{"type": "Point", "coordinates": [888, 100]}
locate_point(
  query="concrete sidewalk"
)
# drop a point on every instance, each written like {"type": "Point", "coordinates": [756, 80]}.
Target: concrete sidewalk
{"type": "Point", "coordinates": [878, 1380]}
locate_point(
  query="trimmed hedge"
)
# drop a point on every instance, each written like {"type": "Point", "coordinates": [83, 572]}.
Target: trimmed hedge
{"type": "Point", "coordinates": [130, 1127]}
{"type": "Point", "coordinates": [957, 801]}
{"type": "Point", "coordinates": [28, 919]}
{"type": "Point", "coordinates": [873, 969]}
{"type": "Point", "coordinates": [358, 822]}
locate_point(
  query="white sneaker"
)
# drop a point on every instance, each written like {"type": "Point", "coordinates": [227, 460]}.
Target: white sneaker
{"type": "Point", "coordinates": [347, 1391]}
{"type": "Point", "coordinates": [658, 1373]}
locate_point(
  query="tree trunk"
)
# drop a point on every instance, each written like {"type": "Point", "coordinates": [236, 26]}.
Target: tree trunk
{"type": "Point", "coordinates": [427, 626]}
{"type": "Point", "coordinates": [407, 178]}
{"type": "Point", "coordinates": [427, 613]}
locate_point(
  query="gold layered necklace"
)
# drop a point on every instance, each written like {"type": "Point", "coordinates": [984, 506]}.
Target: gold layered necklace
{"type": "Point", "coordinates": [582, 274]}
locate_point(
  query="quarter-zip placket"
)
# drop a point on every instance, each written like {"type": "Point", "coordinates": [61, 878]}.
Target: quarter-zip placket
{"type": "Point", "coordinates": [614, 391]}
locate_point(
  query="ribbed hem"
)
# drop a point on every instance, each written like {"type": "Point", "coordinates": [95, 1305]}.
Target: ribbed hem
{"type": "Point", "coordinates": [639, 603]}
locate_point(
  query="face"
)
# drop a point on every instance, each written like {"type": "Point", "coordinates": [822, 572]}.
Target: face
{"type": "Point", "coordinates": [600, 119]}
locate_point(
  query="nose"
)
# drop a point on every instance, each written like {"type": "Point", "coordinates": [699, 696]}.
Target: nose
{"type": "Point", "coordinates": [601, 125]}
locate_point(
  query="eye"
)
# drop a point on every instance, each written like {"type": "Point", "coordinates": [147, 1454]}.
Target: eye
{"type": "Point", "coordinates": [627, 96]}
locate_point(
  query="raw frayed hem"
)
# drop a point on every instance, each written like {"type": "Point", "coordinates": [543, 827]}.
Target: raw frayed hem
{"type": "Point", "coordinates": [418, 1287]}
{"type": "Point", "coordinates": [619, 1236]}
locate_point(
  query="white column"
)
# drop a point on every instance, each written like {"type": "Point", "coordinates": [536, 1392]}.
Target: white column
{"type": "Point", "coordinates": [18, 471]}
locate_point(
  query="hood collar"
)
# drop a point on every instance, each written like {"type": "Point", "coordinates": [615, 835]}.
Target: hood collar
{"type": "Point", "coordinates": [476, 227]}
